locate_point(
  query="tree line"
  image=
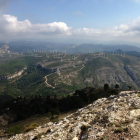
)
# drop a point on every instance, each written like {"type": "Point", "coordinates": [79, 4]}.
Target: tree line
{"type": "Point", "coordinates": [26, 107]}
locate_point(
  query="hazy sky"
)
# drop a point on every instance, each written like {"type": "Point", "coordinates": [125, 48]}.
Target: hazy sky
{"type": "Point", "coordinates": [70, 20]}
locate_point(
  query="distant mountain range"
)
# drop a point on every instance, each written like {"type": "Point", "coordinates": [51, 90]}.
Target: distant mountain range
{"type": "Point", "coordinates": [30, 46]}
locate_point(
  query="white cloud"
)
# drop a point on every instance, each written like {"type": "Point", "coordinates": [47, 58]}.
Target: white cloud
{"type": "Point", "coordinates": [131, 29]}
{"type": "Point", "coordinates": [11, 28]}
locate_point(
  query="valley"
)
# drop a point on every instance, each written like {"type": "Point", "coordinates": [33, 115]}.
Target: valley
{"type": "Point", "coordinates": [45, 86]}
{"type": "Point", "coordinates": [62, 74]}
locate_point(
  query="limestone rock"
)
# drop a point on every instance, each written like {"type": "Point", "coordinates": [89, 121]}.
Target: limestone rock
{"type": "Point", "coordinates": [75, 138]}
{"type": "Point", "coordinates": [135, 113]}
{"type": "Point", "coordinates": [116, 117]}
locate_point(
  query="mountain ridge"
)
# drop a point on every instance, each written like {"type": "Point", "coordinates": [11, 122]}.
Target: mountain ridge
{"type": "Point", "coordinates": [31, 46]}
{"type": "Point", "coordinates": [115, 117]}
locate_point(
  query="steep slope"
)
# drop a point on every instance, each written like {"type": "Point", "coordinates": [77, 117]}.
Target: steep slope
{"type": "Point", "coordinates": [113, 118]}
{"type": "Point", "coordinates": [113, 70]}
{"type": "Point", "coordinates": [73, 72]}
{"type": "Point", "coordinates": [96, 70]}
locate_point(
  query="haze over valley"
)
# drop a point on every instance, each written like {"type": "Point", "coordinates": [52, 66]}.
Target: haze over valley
{"type": "Point", "coordinates": [70, 70]}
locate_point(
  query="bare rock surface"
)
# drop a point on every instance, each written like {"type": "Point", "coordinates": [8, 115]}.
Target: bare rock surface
{"type": "Point", "coordinates": [113, 118]}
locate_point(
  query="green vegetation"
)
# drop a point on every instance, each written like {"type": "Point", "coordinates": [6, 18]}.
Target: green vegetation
{"type": "Point", "coordinates": [17, 129]}
{"type": "Point", "coordinates": [117, 86]}
{"type": "Point", "coordinates": [30, 83]}
{"type": "Point", "coordinates": [129, 87]}
{"type": "Point", "coordinates": [106, 87]}
{"type": "Point", "coordinates": [13, 66]}
{"type": "Point", "coordinates": [24, 108]}
{"type": "Point", "coordinates": [120, 130]}
{"type": "Point", "coordinates": [56, 64]}
{"type": "Point", "coordinates": [138, 118]}
{"type": "Point", "coordinates": [103, 138]}
{"type": "Point", "coordinates": [28, 95]}
{"type": "Point", "coordinates": [89, 74]}
{"type": "Point", "coordinates": [84, 128]}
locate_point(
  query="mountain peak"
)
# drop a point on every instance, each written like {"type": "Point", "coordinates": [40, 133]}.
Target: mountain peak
{"type": "Point", "coordinates": [119, 50]}
{"type": "Point", "coordinates": [115, 117]}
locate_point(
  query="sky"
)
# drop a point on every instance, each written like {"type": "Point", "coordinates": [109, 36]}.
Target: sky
{"type": "Point", "coordinates": [71, 21]}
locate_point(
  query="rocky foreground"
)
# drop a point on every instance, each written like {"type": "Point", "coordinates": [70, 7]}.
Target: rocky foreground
{"type": "Point", "coordinates": [113, 118]}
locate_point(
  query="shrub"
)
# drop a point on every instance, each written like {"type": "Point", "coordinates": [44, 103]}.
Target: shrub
{"type": "Point", "coordinates": [119, 130]}
{"type": "Point", "coordinates": [103, 138]}
{"type": "Point", "coordinates": [138, 118]}
{"type": "Point", "coordinates": [106, 86]}
{"type": "Point", "coordinates": [54, 119]}
{"type": "Point", "coordinates": [84, 128]}
{"type": "Point", "coordinates": [125, 129]}
{"type": "Point", "coordinates": [105, 118]}
{"type": "Point", "coordinates": [66, 126]}
{"type": "Point", "coordinates": [17, 129]}
{"type": "Point", "coordinates": [97, 118]}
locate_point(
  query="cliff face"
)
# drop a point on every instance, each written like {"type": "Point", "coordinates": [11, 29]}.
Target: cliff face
{"type": "Point", "coordinates": [19, 73]}
{"type": "Point", "coordinates": [113, 118]}
{"type": "Point", "coordinates": [122, 75]}
{"type": "Point", "coordinates": [16, 74]}
{"type": "Point", "coordinates": [113, 70]}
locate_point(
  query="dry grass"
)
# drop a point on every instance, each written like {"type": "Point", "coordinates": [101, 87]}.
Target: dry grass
{"type": "Point", "coordinates": [27, 124]}
{"type": "Point", "coordinates": [31, 127]}
{"type": "Point", "coordinates": [138, 94]}
{"type": "Point", "coordinates": [132, 108]}
{"type": "Point", "coordinates": [117, 124]}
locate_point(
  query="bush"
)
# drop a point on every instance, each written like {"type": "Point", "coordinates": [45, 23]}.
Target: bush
{"type": "Point", "coordinates": [125, 129]}
{"type": "Point", "coordinates": [103, 138]}
{"type": "Point", "coordinates": [106, 87]}
{"type": "Point", "coordinates": [119, 130]}
{"type": "Point", "coordinates": [138, 118]}
{"type": "Point", "coordinates": [17, 129]}
{"type": "Point", "coordinates": [84, 128]}
{"type": "Point", "coordinates": [52, 118]}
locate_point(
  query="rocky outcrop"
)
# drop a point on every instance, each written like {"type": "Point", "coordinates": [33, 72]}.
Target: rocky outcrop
{"type": "Point", "coordinates": [113, 118]}
{"type": "Point", "coordinates": [16, 74]}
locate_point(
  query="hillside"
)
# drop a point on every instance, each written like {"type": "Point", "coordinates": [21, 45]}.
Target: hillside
{"type": "Point", "coordinates": [96, 70]}
{"type": "Point", "coordinates": [113, 118]}
{"type": "Point", "coordinates": [61, 74]}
